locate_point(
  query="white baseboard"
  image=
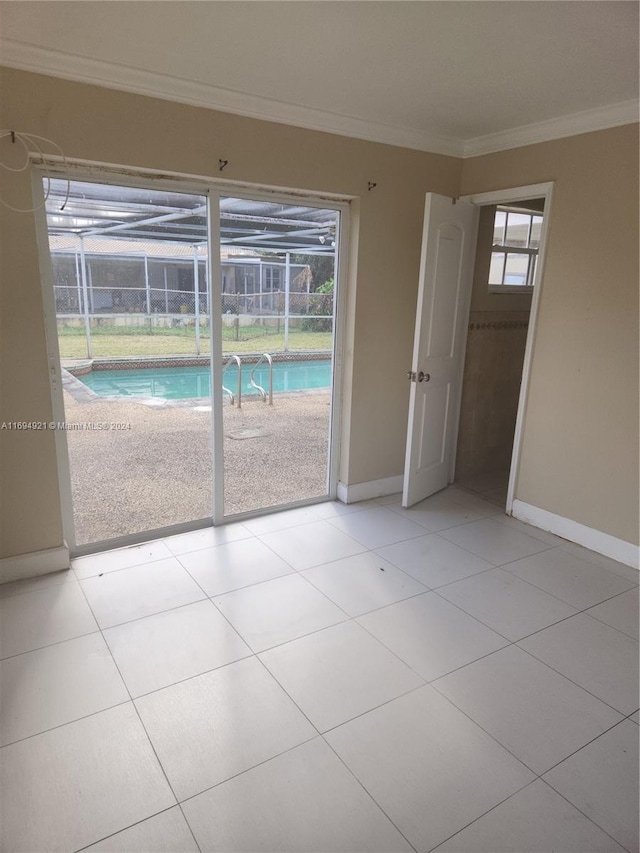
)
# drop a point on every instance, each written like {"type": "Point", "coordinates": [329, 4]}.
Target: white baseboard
{"type": "Point", "coordinates": [34, 564]}
{"type": "Point", "coordinates": [372, 489]}
{"type": "Point", "coordinates": [588, 537]}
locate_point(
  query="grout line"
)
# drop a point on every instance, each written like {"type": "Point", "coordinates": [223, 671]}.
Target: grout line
{"type": "Point", "coordinates": [149, 615]}
{"type": "Point", "coordinates": [584, 814]}
{"type": "Point", "coordinates": [50, 645]}
{"type": "Point", "coordinates": [505, 566]}
{"type": "Point", "coordinates": [144, 728]}
{"type": "Point", "coordinates": [313, 737]}
{"type": "Point", "coordinates": [580, 748]}
{"type": "Point", "coordinates": [66, 723]}
{"type": "Point", "coordinates": [121, 568]}
{"type": "Point", "coordinates": [484, 814]}
{"type": "Point", "coordinates": [430, 681]}
{"type": "Point", "coordinates": [374, 708]}
{"type": "Point", "coordinates": [583, 612]}
{"type": "Point", "coordinates": [576, 612]}
{"type": "Point", "coordinates": [482, 728]}
{"type": "Point", "coordinates": [131, 825]}
{"type": "Point", "coordinates": [70, 579]}
{"type": "Point", "coordinates": [369, 794]}
{"type": "Point", "coordinates": [586, 690]}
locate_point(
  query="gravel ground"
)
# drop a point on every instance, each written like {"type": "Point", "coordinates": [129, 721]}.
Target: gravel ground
{"type": "Point", "coordinates": [159, 472]}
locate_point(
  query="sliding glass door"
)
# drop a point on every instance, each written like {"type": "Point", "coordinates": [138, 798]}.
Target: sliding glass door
{"type": "Point", "coordinates": [277, 280]}
{"type": "Point", "coordinates": [159, 337]}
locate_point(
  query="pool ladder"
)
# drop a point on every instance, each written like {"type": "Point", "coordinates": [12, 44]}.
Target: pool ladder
{"type": "Point", "coordinates": [237, 397]}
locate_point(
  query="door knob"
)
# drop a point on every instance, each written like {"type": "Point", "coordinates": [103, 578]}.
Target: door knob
{"type": "Point", "coordinates": [418, 377]}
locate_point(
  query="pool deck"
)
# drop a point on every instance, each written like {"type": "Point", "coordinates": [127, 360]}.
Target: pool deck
{"type": "Point", "coordinates": [158, 471]}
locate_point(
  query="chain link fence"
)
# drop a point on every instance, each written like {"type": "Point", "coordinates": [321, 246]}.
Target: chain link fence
{"type": "Point", "coordinates": [136, 321]}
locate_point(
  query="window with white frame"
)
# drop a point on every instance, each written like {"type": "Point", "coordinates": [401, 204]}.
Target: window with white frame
{"type": "Point", "coordinates": [514, 253]}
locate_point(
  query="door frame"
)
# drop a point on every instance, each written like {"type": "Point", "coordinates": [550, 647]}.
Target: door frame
{"type": "Point", "coordinates": [507, 196]}
{"type": "Point", "coordinates": [212, 189]}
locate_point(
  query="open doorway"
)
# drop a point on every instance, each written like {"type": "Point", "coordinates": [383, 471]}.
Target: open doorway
{"type": "Point", "coordinates": [509, 237]}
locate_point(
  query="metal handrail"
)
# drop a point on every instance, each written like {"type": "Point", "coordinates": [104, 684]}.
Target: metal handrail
{"type": "Point", "coordinates": [238, 397]}
{"type": "Point", "coordinates": [264, 357]}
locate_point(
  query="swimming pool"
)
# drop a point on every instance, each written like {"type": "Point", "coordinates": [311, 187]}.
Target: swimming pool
{"type": "Point", "coordinates": [183, 383]}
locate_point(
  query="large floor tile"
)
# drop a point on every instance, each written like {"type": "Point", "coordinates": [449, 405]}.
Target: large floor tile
{"type": "Point", "coordinates": [280, 520]}
{"type": "Point", "coordinates": [304, 801]}
{"type": "Point", "coordinates": [427, 765]}
{"type": "Point", "coordinates": [167, 832]}
{"type": "Point", "coordinates": [336, 674]}
{"type": "Point", "coordinates": [216, 725]}
{"type": "Point", "coordinates": [578, 582]}
{"type": "Point", "coordinates": [363, 583]}
{"type": "Point", "coordinates": [430, 635]}
{"type": "Point", "coordinates": [620, 612]}
{"type": "Point", "coordinates": [530, 530]}
{"type": "Point", "coordinates": [37, 583]}
{"type": "Point", "coordinates": [206, 537]}
{"type": "Point", "coordinates": [507, 604]}
{"type": "Point", "coordinates": [631, 573]}
{"type": "Point", "coordinates": [159, 650]}
{"type": "Point", "coordinates": [597, 657]}
{"type": "Point", "coordinates": [439, 512]}
{"type": "Point", "coordinates": [602, 781]}
{"type": "Point", "coordinates": [76, 784]}
{"type": "Point", "coordinates": [537, 714]}
{"type": "Point", "coordinates": [122, 558]}
{"type": "Point", "coordinates": [433, 560]}
{"type": "Point", "coordinates": [309, 545]}
{"type": "Point", "coordinates": [494, 541]}
{"type": "Point", "coordinates": [377, 526]}
{"type": "Point", "coordinates": [277, 611]}
{"type": "Point", "coordinates": [233, 566]}
{"type": "Point", "coordinates": [474, 502]}
{"type": "Point", "coordinates": [140, 591]}
{"type": "Point", "coordinates": [55, 685]}
{"type": "Point", "coordinates": [533, 820]}
{"type": "Point", "coordinates": [37, 619]}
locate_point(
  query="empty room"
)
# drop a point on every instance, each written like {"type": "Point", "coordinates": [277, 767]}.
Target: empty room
{"type": "Point", "coordinates": [319, 426]}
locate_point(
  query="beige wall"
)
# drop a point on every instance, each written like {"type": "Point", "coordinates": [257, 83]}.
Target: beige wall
{"type": "Point", "coordinates": [115, 127]}
{"type": "Point", "coordinates": [581, 444]}
{"type": "Point", "coordinates": [580, 447]}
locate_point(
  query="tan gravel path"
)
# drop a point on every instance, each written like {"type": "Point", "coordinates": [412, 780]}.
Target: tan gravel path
{"type": "Point", "coordinates": [159, 472]}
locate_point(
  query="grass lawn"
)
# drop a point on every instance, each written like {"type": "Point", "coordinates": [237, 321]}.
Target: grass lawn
{"type": "Point", "coordinates": [115, 342]}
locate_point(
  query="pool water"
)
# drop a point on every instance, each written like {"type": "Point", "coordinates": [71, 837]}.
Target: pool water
{"type": "Point", "coordinates": [183, 383]}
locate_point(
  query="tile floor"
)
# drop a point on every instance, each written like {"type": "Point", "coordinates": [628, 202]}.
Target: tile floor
{"type": "Point", "coordinates": [334, 678]}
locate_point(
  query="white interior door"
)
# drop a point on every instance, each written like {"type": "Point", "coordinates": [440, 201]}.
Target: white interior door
{"type": "Point", "coordinates": [444, 293]}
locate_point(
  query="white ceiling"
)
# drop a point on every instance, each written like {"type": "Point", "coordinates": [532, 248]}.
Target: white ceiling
{"type": "Point", "coordinates": [456, 77]}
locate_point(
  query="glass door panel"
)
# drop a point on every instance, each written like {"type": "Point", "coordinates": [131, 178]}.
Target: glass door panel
{"type": "Point", "coordinates": [278, 265]}
{"type": "Point", "coordinates": [130, 272]}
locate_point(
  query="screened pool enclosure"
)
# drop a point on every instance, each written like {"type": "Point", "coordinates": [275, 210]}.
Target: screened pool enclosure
{"type": "Point", "coordinates": [136, 263]}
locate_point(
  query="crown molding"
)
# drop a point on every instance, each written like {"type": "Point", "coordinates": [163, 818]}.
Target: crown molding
{"type": "Point", "coordinates": [28, 57]}
{"type": "Point", "coordinates": [40, 60]}
{"type": "Point", "coordinates": [601, 118]}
